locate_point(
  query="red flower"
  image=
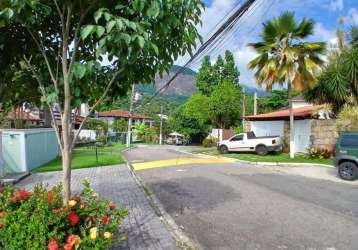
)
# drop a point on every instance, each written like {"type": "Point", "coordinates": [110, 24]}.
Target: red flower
{"type": "Point", "coordinates": [2, 213]}
{"type": "Point", "coordinates": [49, 197]}
{"type": "Point", "coordinates": [20, 195]}
{"type": "Point", "coordinates": [52, 245]}
{"type": "Point", "coordinates": [73, 239]}
{"type": "Point", "coordinates": [67, 246]}
{"type": "Point", "coordinates": [73, 218]}
{"type": "Point", "coordinates": [105, 220]}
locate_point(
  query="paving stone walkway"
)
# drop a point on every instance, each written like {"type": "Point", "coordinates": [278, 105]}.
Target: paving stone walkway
{"type": "Point", "coordinates": [143, 227]}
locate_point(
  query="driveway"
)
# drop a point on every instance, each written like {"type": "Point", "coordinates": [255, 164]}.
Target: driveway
{"type": "Point", "coordinates": [241, 206]}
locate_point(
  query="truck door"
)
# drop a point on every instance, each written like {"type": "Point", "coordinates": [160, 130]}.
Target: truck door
{"type": "Point", "coordinates": [237, 143]}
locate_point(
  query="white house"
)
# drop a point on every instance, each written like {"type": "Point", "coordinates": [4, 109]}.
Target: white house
{"type": "Point", "coordinates": [312, 125]}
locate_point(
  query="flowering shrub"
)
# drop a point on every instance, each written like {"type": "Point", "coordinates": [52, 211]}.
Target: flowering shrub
{"type": "Point", "coordinates": [39, 220]}
{"type": "Point", "coordinates": [322, 153]}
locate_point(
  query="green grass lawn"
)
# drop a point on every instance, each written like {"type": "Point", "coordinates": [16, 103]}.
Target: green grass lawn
{"type": "Point", "coordinates": [272, 157]}
{"type": "Point", "coordinates": [85, 157]}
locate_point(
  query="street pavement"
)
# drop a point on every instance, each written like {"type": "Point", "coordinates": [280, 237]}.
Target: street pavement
{"type": "Point", "coordinates": [242, 206]}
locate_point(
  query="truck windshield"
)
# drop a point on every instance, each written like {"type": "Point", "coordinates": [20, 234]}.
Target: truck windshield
{"type": "Point", "coordinates": [349, 141]}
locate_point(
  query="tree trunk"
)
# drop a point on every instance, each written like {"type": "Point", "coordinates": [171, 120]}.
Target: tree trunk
{"type": "Point", "coordinates": [292, 128]}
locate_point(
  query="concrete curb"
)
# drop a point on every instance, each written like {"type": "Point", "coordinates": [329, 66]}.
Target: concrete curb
{"type": "Point", "coordinates": [181, 239]}
{"type": "Point", "coordinates": [280, 164]}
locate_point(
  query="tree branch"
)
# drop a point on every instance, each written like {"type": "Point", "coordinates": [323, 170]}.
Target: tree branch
{"type": "Point", "coordinates": [43, 91]}
{"type": "Point", "coordinates": [109, 85]}
{"type": "Point", "coordinates": [60, 13]}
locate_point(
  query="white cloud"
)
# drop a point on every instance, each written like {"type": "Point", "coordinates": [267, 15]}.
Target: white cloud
{"type": "Point", "coordinates": [321, 33]}
{"type": "Point", "coordinates": [352, 17]}
{"type": "Point", "coordinates": [336, 5]}
{"type": "Point", "coordinates": [242, 57]}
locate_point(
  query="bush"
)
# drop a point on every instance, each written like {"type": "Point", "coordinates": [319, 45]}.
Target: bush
{"type": "Point", "coordinates": [209, 142]}
{"type": "Point", "coordinates": [39, 220]}
{"type": "Point", "coordinates": [322, 153]}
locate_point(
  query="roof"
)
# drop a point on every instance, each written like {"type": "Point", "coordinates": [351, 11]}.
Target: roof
{"type": "Point", "coordinates": [123, 114]}
{"type": "Point", "coordinates": [22, 115]}
{"type": "Point", "coordinates": [299, 113]}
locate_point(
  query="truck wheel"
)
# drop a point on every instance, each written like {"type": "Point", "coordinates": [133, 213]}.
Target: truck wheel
{"type": "Point", "coordinates": [261, 150]}
{"type": "Point", "coordinates": [224, 149]}
{"type": "Point", "coordinates": [348, 171]}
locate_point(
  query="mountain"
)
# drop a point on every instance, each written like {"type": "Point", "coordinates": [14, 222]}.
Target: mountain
{"type": "Point", "coordinates": [184, 85]}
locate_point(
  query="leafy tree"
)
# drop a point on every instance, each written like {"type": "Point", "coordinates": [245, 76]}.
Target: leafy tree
{"type": "Point", "coordinates": [225, 105]}
{"type": "Point", "coordinates": [338, 84]}
{"type": "Point", "coordinates": [284, 57]}
{"type": "Point", "coordinates": [71, 38]}
{"type": "Point", "coordinates": [210, 75]}
{"type": "Point", "coordinates": [192, 118]}
{"type": "Point", "coordinates": [276, 100]}
{"type": "Point", "coordinates": [120, 125]}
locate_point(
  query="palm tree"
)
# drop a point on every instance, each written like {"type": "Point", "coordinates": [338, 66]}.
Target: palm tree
{"type": "Point", "coordinates": [284, 57]}
{"type": "Point", "coordinates": [338, 84]}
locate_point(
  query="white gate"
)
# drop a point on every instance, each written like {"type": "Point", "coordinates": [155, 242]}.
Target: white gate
{"type": "Point", "coordinates": [302, 135]}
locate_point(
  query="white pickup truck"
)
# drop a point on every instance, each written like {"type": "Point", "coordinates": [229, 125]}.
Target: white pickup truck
{"type": "Point", "coordinates": [248, 142]}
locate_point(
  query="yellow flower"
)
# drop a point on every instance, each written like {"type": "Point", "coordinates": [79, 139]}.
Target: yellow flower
{"type": "Point", "coordinates": [93, 233]}
{"type": "Point", "coordinates": [107, 235]}
{"type": "Point", "coordinates": [72, 203]}
{"type": "Point", "coordinates": [95, 195]}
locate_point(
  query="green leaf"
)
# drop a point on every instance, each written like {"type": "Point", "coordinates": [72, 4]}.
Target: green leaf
{"type": "Point", "coordinates": [87, 30]}
{"type": "Point", "coordinates": [97, 15]}
{"type": "Point", "coordinates": [154, 9]}
{"type": "Point", "coordinates": [100, 31]}
{"type": "Point", "coordinates": [138, 5]}
{"type": "Point", "coordinates": [155, 48]}
{"type": "Point", "coordinates": [140, 41]}
{"type": "Point", "coordinates": [132, 25]}
{"type": "Point", "coordinates": [125, 37]}
{"type": "Point", "coordinates": [110, 25]}
{"type": "Point", "coordinates": [119, 24]}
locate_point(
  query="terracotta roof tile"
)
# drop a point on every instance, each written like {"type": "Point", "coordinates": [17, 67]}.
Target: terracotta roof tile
{"type": "Point", "coordinates": [123, 114]}
{"type": "Point", "coordinates": [300, 113]}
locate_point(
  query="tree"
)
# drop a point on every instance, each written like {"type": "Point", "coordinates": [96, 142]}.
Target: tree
{"type": "Point", "coordinates": [71, 38]}
{"type": "Point", "coordinates": [276, 100]}
{"type": "Point", "coordinates": [284, 57]}
{"type": "Point", "coordinates": [192, 118]}
{"type": "Point", "coordinates": [210, 75]}
{"type": "Point", "coordinates": [120, 125]}
{"type": "Point", "coordinates": [225, 105]}
{"type": "Point", "coordinates": [338, 83]}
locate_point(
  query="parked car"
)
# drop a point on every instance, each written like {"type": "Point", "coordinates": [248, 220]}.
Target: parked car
{"type": "Point", "coordinates": [346, 155]}
{"type": "Point", "coordinates": [249, 142]}
{"type": "Point", "coordinates": [176, 139]}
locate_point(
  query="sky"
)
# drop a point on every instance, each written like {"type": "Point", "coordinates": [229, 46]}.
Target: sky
{"type": "Point", "coordinates": [325, 14]}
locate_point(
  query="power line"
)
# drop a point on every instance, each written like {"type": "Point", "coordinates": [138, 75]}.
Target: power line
{"type": "Point", "coordinates": [224, 28]}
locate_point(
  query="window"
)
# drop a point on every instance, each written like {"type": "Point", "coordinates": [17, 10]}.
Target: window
{"type": "Point", "coordinates": [237, 138]}
{"type": "Point", "coordinates": [349, 141]}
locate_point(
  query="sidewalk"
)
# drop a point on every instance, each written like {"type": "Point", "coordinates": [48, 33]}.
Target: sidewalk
{"type": "Point", "coordinates": [142, 227]}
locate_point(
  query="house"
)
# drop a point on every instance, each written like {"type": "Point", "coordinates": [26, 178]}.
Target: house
{"type": "Point", "coordinates": [112, 115]}
{"type": "Point", "coordinates": [313, 126]}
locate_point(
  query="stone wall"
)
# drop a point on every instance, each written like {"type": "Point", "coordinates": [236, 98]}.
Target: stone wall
{"type": "Point", "coordinates": [247, 126]}
{"type": "Point", "coordinates": [323, 133]}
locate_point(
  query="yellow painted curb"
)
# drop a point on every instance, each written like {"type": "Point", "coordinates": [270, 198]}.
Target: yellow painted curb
{"type": "Point", "coordinates": [180, 161]}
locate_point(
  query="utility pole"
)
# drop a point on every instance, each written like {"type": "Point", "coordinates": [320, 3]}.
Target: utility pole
{"type": "Point", "coordinates": [129, 132]}
{"type": "Point", "coordinates": [255, 102]}
{"type": "Point", "coordinates": [161, 126]}
{"type": "Point", "coordinates": [243, 106]}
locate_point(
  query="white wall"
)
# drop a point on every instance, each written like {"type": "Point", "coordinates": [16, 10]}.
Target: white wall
{"type": "Point", "coordinates": [87, 133]}
{"type": "Point", "coordinates": [267, 128]}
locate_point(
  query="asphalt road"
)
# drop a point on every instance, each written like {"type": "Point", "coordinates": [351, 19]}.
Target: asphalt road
{"type": "Point", "coordinates": [239, 206]}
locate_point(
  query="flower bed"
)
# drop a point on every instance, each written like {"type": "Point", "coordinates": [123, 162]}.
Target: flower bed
{"type": "Point", "coordinates": [39, 220]}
